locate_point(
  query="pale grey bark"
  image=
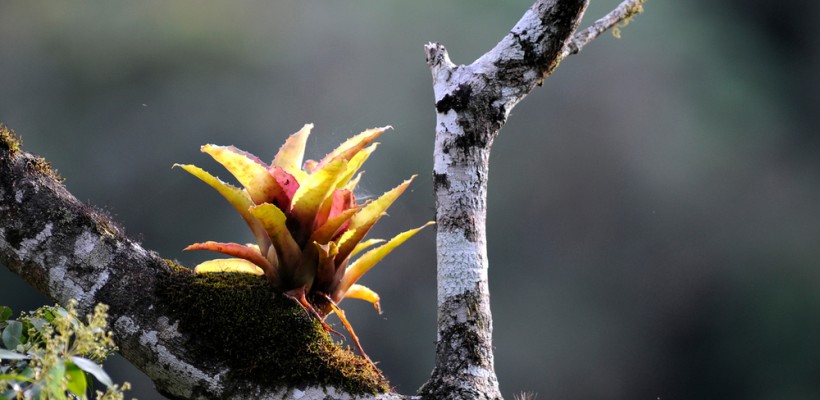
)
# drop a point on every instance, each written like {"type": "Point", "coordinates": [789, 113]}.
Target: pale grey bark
{"type": "Point", "coordinates": [472, 104]}
{"type": "Point", "coordinates": [68, 250]}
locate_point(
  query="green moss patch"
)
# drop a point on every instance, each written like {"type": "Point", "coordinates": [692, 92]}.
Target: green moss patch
{"type": "Point", "coordinates": [8, 140]}
{"type": "Point", "coordinates": [11, 142]}
{"type": "Point", "coordinates": [263, 336]}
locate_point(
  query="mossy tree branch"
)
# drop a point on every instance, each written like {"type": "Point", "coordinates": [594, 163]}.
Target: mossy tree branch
{"type": "Point", "coordinates": [473, 103]}
{"type": "Point", "coordinates": [69, 250]}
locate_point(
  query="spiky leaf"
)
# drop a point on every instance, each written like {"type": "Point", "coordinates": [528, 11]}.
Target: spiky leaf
{"type": "Point", "coordinates": [369, 259]}
{"type": "Point", "coordinates": [361, 223]}
{"type": "Point", "coordinates": [275, 223]}
{"type": "Point", "coordinates": [351, 146]}
{"type": "Point", "coordinates": [317, 187]}
{"type": "Point", "coordinates": [238, 198]}
{"type": "Point", "coordinates": [292, 153]}
{"type": "Point", "coordinates": [251, 172]}
{"type": "Point", "coordinates": [364, 245]}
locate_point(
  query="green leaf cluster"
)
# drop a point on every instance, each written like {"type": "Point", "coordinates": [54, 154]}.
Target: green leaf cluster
{"type": "Point", "coordinates": [51, 354]}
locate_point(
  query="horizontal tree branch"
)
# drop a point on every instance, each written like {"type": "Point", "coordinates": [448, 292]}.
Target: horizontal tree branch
{"type": "Point", "coordinates": [69, 250]}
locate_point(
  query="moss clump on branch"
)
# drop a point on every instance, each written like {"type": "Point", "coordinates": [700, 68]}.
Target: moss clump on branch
{"type": "Point", "coordinates": [8, 140]}
{"type": "Point", "coordinates": [241, 320]}
{"type": "Point", "coordinates": [11, 143]}
{"type": "Point", "coordinates": [633, 10]}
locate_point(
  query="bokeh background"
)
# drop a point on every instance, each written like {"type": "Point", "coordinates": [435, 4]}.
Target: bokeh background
{"type": "Point", "coordinates": [654, 208]}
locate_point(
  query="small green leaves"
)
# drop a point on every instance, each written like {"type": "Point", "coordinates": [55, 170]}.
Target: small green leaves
{"type": "Point", "coordinates": [12, 334]}
{"type": "Point", "coordinates": [56, 354]}
{"type": "Point", "coordinates": [5, 313]}
{"type": "Point", "coordinates": [94, 369]}
{"type": "Point", "coordinates": [11, 355]}
{"type": "Point", "coordinates": [76, 382]}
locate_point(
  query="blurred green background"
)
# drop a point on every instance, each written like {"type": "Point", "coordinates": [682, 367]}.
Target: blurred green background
{"type": "Point", "coordinates": [654, 208]}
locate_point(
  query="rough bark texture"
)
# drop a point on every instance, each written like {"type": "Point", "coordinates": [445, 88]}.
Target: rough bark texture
{"type": "Point", "coordinates": [472, 104]}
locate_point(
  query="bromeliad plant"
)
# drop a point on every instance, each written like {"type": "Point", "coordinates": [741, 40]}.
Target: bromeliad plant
{"type": "Point", "coordinates": [306, 222]}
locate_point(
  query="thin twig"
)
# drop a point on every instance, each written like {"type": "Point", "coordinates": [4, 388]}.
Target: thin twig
{"type": "Point", "coordinates": [619, 16]}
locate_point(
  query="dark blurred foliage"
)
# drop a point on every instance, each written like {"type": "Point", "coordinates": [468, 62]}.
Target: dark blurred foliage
{"type": "Point", "coordinates": [654, 215]}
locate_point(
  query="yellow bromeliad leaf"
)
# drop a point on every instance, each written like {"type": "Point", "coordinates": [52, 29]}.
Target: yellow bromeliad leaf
{"type": "Point", "coordinates": [292, 153]}
{"type": "Point", "coordinates": [361, 223]}
{"type": "Point", "coordinates": [351, 185]}
{"type": "Point", "coordinates": [363, 245]}
{"type": "Point", "coordinates": [251, 172]}
{"type": "Point", "coordinates": [369, 259]}
{"type": "Point", "coordinates": [362, 292]}
{"type": "Point", "coordinates": [238, 198]}
{"type": "Point", "coordinates": [273, 219]}
{"type": "Point", "coordinates": [355, 164]}
{"type": "Point", "coordinates": [238, 265]}
{"type": "Point", "coordinates": [316, 187]}
{"type": "Point", "coordinates": [351, 146]}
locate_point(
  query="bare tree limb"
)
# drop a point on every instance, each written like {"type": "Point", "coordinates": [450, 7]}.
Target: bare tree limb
{"type": "Point", "coordinates": [473, 103]}
{"type": "Point", "coordinates": [620, 15]}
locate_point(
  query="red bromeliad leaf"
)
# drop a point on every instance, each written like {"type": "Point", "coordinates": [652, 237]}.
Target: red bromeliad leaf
{"type": "Point", "coordinates": [334, 205]}
{"type": "Point", "coordinates": [289, 185]}
{"type": "Point", "coordinates": [333, 226]}
{"type": "Point", "coordinates": [234, 249]}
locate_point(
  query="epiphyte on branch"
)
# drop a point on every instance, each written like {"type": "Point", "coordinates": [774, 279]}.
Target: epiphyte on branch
{"type": "Point", "coordinates": [306, 222]}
